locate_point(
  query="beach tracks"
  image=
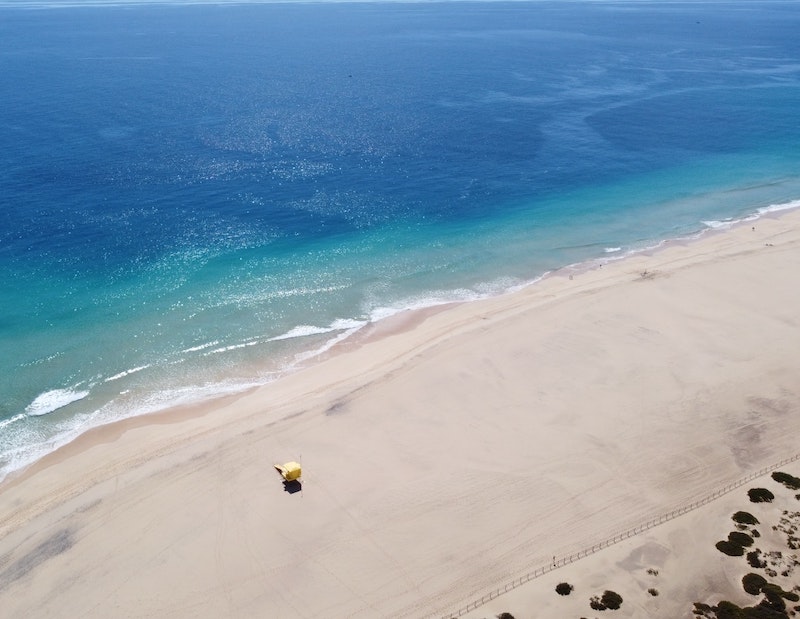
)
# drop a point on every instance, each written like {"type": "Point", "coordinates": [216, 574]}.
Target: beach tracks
{"type": "Point", "coordinates": [561, 561]}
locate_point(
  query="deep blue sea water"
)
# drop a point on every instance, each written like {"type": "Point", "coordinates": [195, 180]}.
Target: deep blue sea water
{"type": "Point", "coordinates": [198, 198]}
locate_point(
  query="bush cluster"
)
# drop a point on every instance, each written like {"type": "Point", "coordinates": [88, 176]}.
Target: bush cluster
{"type": "Point", "coordinates": [743, 539]}
{"type": "Point", "coordinates": [745, 518]}
{"type": "Point", "coordinates": [609, 600]}
{"type": "Point", "coordinates": [790, 481]}
{"type": "Point", "coordinates": [760, 495]}
{"type": "Point", "coordinates": [754, 559]}
{"type": "Point", "coordinates": [730, 548]}
{"type": "Point", "coordinates": [729, 610]}
{"type": "Point", "coordinates": [564, 588]}
{"type": "Point", "coordinates": [773, 602]}
{"type": "Point", "coordinates": [752, 583]}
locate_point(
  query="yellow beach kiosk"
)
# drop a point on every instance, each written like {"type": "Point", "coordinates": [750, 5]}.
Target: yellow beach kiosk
{"type": "Point", "coordinates": [289, 471]}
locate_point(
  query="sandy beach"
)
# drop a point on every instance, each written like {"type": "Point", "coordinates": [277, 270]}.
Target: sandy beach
{"type": "Point", "coordinates": [447, 455]}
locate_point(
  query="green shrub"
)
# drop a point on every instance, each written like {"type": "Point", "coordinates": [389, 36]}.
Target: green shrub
{"type": "Point", "coordinates": [745, 518]}
{"type": "Point", "coordinates": [774, 595]}
{"type": "Point", "coordinates": [760, 495]}
{"type": "Point", "coordinates": [753, 583]}
{"type": "Point", "coordinates": [790, 481]}
{"type": "Point", "coordinates": [564, 588]}
{"type": "Point", "coordinates": [773, 591]}
{"type": "Point", "coordinates": [754, 559]}
{"type": "Point", "coordinates": [742, 539]}
{"type": "Point", "coordinates": [611, 599]}
{"type": "Point", "coordinates": [729, 548]}
{"type": "Point", "coordinates": [729, 610]}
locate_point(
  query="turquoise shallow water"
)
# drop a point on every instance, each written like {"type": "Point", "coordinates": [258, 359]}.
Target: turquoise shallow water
{"type": "Point", "coordinates": [196, 198]}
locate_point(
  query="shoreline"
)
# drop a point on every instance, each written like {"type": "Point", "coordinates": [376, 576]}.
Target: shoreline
{"type": "Point", "coordinates": [537, 421]}
{"type": "Point", "coordinates": [405, 320]}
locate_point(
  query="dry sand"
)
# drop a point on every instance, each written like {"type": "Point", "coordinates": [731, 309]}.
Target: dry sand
{"type": "Point", "coordinates": [447, 457]}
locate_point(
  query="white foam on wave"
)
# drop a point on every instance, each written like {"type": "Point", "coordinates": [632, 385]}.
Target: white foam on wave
{"type": "Point", "coordinates": [784, 206]}
{"type": "Point", "coordinates": [340, 324]}
{"type": "Point", "coordinates": [201, 346]}
{"type": "Point", "coordinates": [14, 419]}
{"type": "Point", "coordinates": [347, 323]}
{"type": "Point", "coordinates": [181, 396]}
{"type": "Point", "coordinates": [51, 401]}
{"type": "Point", "coordinates": [715, 224]}
{"type": "Point", "coordinates": [423, 302]}
{"type": "Point", "coordinates": [237, 297]}
{"type": "Point", "coordinates": [348, 326]}
{"type": "Point", "coordinates": [310, 354]}
{"type": "Point", "coordinates": [443, 297]}
{"type": "Point", "coordinates": [303, 291]}
{"type": "Point", "coordinates": [41, 360]}
{"type": "Point", "coordinates": [30, 446]}
{"type": "Point", "coordinates": [345, 327]}
{"type": "Point", "coordinates": [231, 347]}
{"type": "Point", "coordinates": [300, 331]}
{"type": "Point", "coordinates": [710, 225]}
{"type": "Point", "coordinates": [612, 250]}
{"type": "Point", "coordinates": [126, 373]}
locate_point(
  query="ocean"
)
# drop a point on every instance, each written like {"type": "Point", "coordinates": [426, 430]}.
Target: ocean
{"type": "Point", "coordinates": [198, 198]}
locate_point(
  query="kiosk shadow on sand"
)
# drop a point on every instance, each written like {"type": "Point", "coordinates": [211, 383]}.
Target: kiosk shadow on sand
{"type": "Point", "coordinates": [290, 472]}
{"type": "Point", "coordinates": [292, 486]}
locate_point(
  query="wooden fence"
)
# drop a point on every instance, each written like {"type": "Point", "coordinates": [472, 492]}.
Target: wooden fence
{"type": "Point", "coordinates": [640, 528]}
